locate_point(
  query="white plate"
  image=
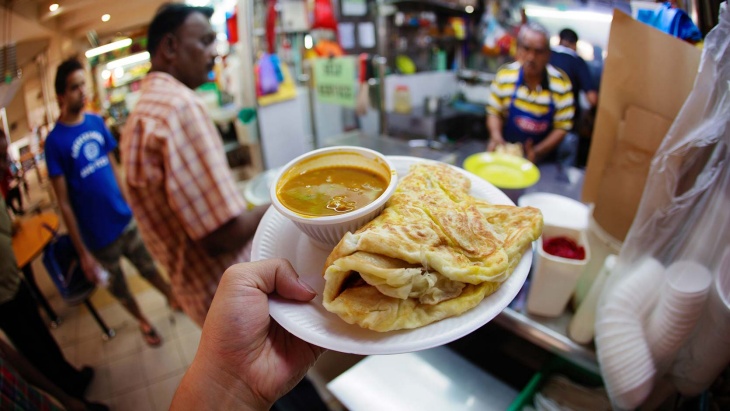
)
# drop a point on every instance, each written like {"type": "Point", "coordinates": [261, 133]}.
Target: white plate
{"type": "Point", "coordinates": [276, 236]}
{"type": "Point", "coordinates": [256, 191]}
{"type": "Point", "coordinates": [558, 210]}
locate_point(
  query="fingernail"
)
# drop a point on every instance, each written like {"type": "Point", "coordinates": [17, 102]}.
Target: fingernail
{"type": "Point", "coordinates": [306, 286]}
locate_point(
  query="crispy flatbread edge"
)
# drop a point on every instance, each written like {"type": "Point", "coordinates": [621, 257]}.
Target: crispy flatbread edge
{"type": "Point", "coordinates": [367, 307]}
{"type": "Point", "coordinates": [355, 305]}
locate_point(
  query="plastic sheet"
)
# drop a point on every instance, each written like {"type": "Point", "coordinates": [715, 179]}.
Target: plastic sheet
{"type": "Point", "coordinates": [682, 218]}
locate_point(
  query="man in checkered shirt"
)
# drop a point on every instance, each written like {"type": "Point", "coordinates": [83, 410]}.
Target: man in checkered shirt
{"type": "Point", "coordinates": [181, 190]}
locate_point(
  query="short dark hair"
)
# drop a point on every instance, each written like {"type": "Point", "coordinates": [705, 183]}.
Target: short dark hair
{"type": "Point", "coordinates": [169, 17]}
{"type": "Point", "coordinates": [62, 73]}
{"type": "Point", "coordinates": [568, 35]}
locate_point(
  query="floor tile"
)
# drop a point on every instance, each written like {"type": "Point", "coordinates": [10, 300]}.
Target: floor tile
{"type": "Point", "coordinates": [163, 391]}
{"type": "Point", "coordinates": [152, 302]}
{"type": "Point", "coordinates": [128, 340]}
{"type": "Point", "coordinates": [137, 400]}
{"type": "Point", "coordinates": [188, 347]}
{"type": "Point", "coordinates": [88, 327]}
{"type": "Point", "coordinates": [126, 374]}
{"type": "Point", "coordinates": [67, 332]}
{"type": "Point", "coordinates": [184, 325]}
{"type": "Point", "coordinates": [100, 388]}
{"type": "Point", "coordinates": [90, 352]}
{"type": "Point", "coordinates": [114, 315]}
{"type": "Point", "coordinates": [69, 352]}
{"type": "Point", "coordinates": [164, 327]}
{"type": "Point", "coordinates": [162, 361]}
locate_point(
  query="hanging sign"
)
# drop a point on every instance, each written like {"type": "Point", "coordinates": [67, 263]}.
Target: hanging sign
{"type": "Point", "coordinates": [334, 80]}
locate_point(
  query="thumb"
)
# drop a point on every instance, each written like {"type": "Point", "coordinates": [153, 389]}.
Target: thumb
{"type": "Point", "coordinates": [272, 276]}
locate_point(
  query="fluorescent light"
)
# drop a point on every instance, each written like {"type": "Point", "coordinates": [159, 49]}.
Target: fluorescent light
{"type": "Point", "coordinates": [105, 17]}
{"type": "Point", "coordinates": [108, 47]}
{"type": "Point", "coordinates": [134, 58]}
{"type": "Point", "coordinates": [308, 41]}
{"type": "Point", "coordinates": [106, 74]}
{"type": "Point", "coordinates": [549, 13]}
{"type": "Point", "coordinates": [53, 7]}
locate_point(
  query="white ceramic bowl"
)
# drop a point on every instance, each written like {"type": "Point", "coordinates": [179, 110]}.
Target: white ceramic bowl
{"type": "Point", "coordinates": [328, 230]}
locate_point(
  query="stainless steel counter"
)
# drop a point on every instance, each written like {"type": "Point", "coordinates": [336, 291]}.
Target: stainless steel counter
{"type": "Point", "coordinates": [388, 145]}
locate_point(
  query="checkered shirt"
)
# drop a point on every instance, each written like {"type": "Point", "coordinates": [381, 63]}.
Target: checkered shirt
{"type": "Point", "coordinates": [180, 187]}
{"type": "Point", "coordinates": [17, 394]}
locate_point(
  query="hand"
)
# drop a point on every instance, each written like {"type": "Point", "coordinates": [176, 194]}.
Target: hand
{"type": "Point", "coordinates": [245, 360]}
{"type": "Point", "coordinates": [90, 266]}
{"type": "Point", "coordinates": [494, 141]}
{"type": "Point", "coordinates": [530, 153]}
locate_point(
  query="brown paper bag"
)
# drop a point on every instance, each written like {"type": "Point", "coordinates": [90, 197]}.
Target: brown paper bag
{"type": "Point", "coordinates": [646, 79]}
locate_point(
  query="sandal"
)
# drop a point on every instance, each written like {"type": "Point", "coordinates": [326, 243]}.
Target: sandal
{"type": "Point", "coordinates": [151, 337]}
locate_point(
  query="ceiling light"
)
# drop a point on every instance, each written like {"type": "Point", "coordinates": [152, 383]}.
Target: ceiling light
{"type": "Point", "coordinates": [470, 9]}
{"type": "Point", "coordinates": [106, 74]}
{"type": "Point", "coordinates": [53, 7]}
{"type": "Point", "coordinates": [105, 17]}
{"type": "Point", "coordinates": [134, 58]}
{"type": "Point", "coordinates": [108, 47]}
{"type": "Point", "coordinates": [118, 72]}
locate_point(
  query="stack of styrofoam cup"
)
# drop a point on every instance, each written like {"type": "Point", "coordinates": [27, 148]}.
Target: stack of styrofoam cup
{"type": "Point", "coordinates": [706, 354]}
{"type": "Point", "coordinates": [626, 363]}
{"type": "Point", "coordinates": [681, 301]}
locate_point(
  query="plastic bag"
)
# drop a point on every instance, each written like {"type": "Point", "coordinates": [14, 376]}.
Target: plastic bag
{"type": "Point", "coordinates": [267, 77]}
{"type": "Point", "coordinates": [673, 271]}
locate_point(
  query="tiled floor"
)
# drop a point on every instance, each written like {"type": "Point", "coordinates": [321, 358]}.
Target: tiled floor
{"type": "Point", "coordinates": [129, 374]}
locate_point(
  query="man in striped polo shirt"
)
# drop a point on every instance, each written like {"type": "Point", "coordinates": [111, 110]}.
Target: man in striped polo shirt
{"type": "Point", "coordinates": [531, 102]}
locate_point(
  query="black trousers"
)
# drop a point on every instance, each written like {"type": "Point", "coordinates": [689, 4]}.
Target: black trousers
{"type": "Point", "coordinates": [12, 197]}
{"type": "Point", "coordinates": [21, 322]}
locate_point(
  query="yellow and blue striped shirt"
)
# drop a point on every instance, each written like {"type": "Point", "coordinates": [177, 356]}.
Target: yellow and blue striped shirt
{"type": "Point", "coordinates": [532, 101]}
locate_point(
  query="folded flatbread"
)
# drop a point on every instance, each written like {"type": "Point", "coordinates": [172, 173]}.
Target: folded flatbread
{"type": "Point", "coordinates": [434, 252]}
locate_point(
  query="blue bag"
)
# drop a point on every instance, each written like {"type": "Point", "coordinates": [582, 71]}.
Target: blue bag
{"type": "Point", "coordinates": [670, 20]}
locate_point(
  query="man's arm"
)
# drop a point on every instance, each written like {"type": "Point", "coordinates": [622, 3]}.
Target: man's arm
{"type": "Point", "coordinates": [546, 146]}
{"type": "Point", "coordinates": [232, 235]}
{"type": "Point", "coordinates": [118, 175]}
{"type": "Point", "coordinates": [592, 97]}
{"type": "Point", "coordinates": [88, 263]}
{"type": "Point", "coordinates": [494, 125]}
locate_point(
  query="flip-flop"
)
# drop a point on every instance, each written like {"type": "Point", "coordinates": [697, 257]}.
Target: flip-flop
{"type": "Point", "coordinates": [151, 337]}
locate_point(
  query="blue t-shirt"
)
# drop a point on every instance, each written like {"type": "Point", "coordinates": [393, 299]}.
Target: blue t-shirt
{"type": "Point", "coordinates": [80, 153]}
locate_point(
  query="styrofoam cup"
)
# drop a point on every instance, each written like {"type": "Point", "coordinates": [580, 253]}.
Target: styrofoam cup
{"type": "Point", "coordinates": [554, 278]}
{"type": "Point", "coordinates": [682, 300]}
{"type": "Point", "coordinates": [706, 354]}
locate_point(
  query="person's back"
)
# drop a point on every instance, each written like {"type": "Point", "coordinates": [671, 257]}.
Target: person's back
{"type": "Point", "coordinates": [565, 58]}
{"type": "Point", "coordinates": [176, 202]}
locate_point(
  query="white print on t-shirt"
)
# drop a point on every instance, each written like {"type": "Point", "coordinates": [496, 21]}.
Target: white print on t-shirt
{"type": "Point", "coordinates": [91, 167]}
{"type": "Point", "coordinates": [87, 137]}
{"type": "Point", "coordinates": [90, 143]}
